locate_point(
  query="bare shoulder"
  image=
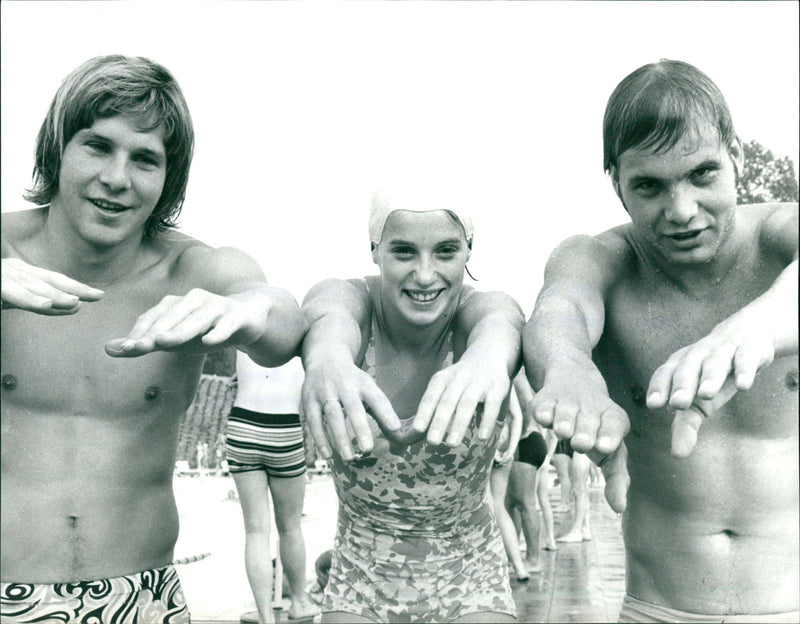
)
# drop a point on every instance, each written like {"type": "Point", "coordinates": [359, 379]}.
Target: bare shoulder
{"type": "Point", "coordinates": [18, 228]}
{"type": "Point", "coordinates": [473, 305]}
{"type": "Point", "coordinates": [773, 227]}
{"type": "Point", "coordinates": [222, 270]}
{"type": "Point", "coordinates": [599, 259]}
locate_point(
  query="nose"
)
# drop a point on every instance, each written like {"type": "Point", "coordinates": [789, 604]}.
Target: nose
{"type": "Point", "coordinates": [425, 273]}
{"type": "Point", "coordinates": [681, 205]}
{"type": "Point", "coordinates": [114, 174]}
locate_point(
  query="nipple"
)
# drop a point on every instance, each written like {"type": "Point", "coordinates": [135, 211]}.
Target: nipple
{"type": "Point", "coordinates": [9, 382]}
{"type": "Point", "coordinates": [151, 394]}
{"type": "Point", "coordinates": [791, 380]}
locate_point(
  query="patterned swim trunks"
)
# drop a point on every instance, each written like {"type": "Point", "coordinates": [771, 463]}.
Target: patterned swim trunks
{"type": "Point", "coordinates": [149, 597]}
{"type": "Point", "coordinates": [270, 442]}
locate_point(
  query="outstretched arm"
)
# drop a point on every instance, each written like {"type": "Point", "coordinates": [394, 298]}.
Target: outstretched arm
{"type": "Point", "coordinates": [491, 321]}
{"type": "Point", "coordinates": [566, 325]}
{"type": "Point", "coordinates": [230, 305]}
{"type": "Point", "coordinates": [335, 390]}
{"type": "Point", "coordinates": [703, 376]}
{"type": "Point", "coordinates": [31, 288]}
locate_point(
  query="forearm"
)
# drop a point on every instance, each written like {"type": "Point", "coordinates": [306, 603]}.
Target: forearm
{"type": "Point", "coordinates": [557, 332]}
{"type": "Point", "coordinates": [496, 340]}
{"type": "Point", "coordinates": [332, 336]}
{"type": "Point", "coordinates": [282, 328]}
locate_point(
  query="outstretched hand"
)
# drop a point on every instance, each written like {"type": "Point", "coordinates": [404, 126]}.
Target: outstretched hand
{"type": "Point", "coordinates": [574, 402]}
{"type": "Point", "coordinates": [699, 379]}
{"type": "Point", "coordinates": [193, 323]}
{"type": "Point", "coordinates": [30, 288]}
{"type": "Point", "coordinates": [615, 473]}
{"type": "Point", "coordinates": [336, 397]}
{"type": "Point", "coordinates": [453, 396]}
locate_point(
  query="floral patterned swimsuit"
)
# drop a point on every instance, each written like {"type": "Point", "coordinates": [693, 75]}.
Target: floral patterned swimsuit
{"type": "Point", "coordinates": [416, 539]}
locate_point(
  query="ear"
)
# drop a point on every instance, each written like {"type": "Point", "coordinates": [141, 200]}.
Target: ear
{"type": "Point", "coordinates": [736, 152]}
{"type": "Point", "coordinates": [374, 250]}
{"type": "Point", "coordinates": [469, 251]}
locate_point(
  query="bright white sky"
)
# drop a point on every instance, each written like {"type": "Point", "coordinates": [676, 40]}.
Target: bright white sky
{"type": "Point", "coordinates": [301, 109]}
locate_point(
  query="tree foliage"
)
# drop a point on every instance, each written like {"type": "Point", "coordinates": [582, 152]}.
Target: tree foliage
{"type": "Point", "coordinates": [766, 178]}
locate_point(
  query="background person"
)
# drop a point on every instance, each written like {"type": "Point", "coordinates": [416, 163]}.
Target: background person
{"type": "Point", "coordinates": [266, 456]}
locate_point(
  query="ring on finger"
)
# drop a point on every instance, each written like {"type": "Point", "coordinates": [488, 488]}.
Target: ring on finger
{"type": "Point", "coordinates": [326, 401]}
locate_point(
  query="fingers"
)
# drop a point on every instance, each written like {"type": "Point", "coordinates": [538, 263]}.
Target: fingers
{"type": "Point", "coordinates": [336, 429]}
{"type": "Point", "coordinates": [315, 424]}
{"type": "Point", "coordinates": [199, 319]}
{"type": "Point", "coordinates": [491, 410]}
{"type": "Point", "coordinates": [380, 407]}
{"type": "Point", "coordinates": [34, 289]}
{"type": "Point", "coordinates": [700, 370]}
{"type": "Point", "coordinates": [615, 473]}
{"type": "Point", "coordinates": [685, 427]}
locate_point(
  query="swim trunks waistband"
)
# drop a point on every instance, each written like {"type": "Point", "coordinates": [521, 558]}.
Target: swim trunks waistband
{"type": "Point", "coordinates": [635, 610]}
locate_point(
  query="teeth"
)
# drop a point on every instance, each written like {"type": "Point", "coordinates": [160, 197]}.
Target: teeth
{"type": "Point", "coordinates": [423, 296]}
{"type": "Point", "coordinates": [108, 205]}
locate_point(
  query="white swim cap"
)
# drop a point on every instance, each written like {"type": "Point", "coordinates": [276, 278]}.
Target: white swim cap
{"type": "Point", "coordinates": [384, 204]}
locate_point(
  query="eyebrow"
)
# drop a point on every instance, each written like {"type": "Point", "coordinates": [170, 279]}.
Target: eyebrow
{"type": "Point", "coordinates": [449, 241]}
{"type": "Point", "coordinates": [642, 177]}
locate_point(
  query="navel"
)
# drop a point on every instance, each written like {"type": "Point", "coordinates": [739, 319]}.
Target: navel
{"type": "Point", "coordinates": [151, 394]}
{"type": "Point", "coordinates": [9, 382]}
{"type": "Point", "coordinates": [791, 380]}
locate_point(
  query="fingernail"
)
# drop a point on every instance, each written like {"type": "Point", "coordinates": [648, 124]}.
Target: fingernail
{"type": "Point", "coordinates": [678, 396]}
{"type": "Point", "coordinates": [364, 443]}
{"type": "Point", "coordinates": [452, 440]}
{"type": "Point", "coordinates": [653, 398]}
{"type": "Point", "coordinates": [326, 452]}
{"type": "Point", "coordinates": [347, 454]}
{"type": "Point", "coordinates": [435, 436]}
{"type": "Point", "coordinates": [705, 387]}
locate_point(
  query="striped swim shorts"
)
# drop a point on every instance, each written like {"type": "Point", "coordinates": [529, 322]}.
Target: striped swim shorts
{"type": "Point", "coordinates": [270, 442]}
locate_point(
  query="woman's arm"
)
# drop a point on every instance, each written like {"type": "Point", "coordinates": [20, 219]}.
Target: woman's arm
{"type": "Point", "coordinates": [335, 390]}
{"type": "Point", "coordinates": [492, 323]}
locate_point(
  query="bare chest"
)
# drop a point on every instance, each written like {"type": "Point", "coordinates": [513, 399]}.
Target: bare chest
{"type": "Point", "coordinates": [58, 364]}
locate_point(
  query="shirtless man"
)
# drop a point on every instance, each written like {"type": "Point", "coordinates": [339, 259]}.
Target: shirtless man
{"type": "Point", "coordinates": [91, 281]}
{"type": "Point", "coordinates": [690, 314]}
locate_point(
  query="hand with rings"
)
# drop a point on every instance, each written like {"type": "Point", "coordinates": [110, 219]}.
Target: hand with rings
{"type": "Point", "coordinates": [337, 400]}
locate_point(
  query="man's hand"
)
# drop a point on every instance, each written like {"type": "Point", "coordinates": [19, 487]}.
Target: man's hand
{"type": "Point", "coordinates": [615, 473]}
{"type": "Point", "coordinates": [194, 323]}
{"type": "Point", "coordinates": [336, 395]}
{"type": "Point", "coordinates": [27, 287]}
{"type": "Point", "coordinates": [454, 393]}
{"type": "Point", "coordinates": [574, 402]}
{"type": "Point", "coordinates": [699, 379]}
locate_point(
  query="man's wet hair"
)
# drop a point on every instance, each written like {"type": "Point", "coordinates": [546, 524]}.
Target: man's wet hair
{"type": "Point", "coordinates": [653, 107]}
{"type": "Point", "coordinates": [106, 86]}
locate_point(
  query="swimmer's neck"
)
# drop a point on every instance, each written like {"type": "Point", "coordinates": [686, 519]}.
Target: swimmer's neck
{"type": "Point", "coordinates": [405, 336]}
{"type": "Point", "coordinates": [63, 250]}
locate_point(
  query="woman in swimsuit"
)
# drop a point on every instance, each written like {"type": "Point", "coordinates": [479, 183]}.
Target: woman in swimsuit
{"type": "Point", "coordinates": [406, 374]}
